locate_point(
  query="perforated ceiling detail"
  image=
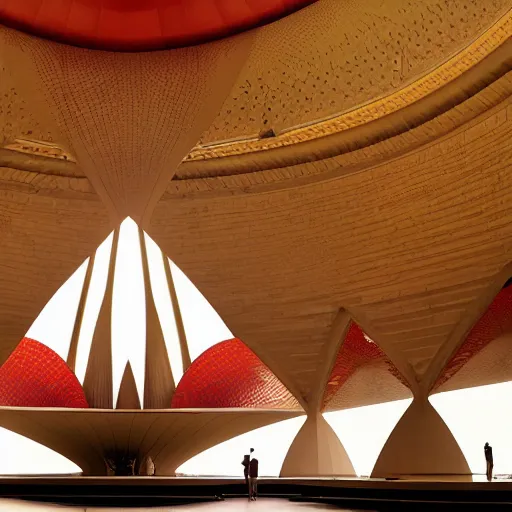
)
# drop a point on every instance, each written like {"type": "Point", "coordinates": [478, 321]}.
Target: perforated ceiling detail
{"type": "Point", "coordinates": [16, 118]}
{"type": "Point", "coordinates": [333, 56]}
{"type": "Point", "coordinates": [128, 118]}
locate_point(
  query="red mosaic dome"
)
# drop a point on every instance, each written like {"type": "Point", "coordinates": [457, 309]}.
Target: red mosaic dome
{"type": "Point", "coordinates": [135, 25]}
{"type": "Point", "coordinates": [229, 374]}
{"type": "Point", "coordinates": [35, 376]}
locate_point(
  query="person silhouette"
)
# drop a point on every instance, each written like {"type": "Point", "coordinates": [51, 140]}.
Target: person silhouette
{"type": "Point", "coordinates": [245, 464]}
{"type": "Point", "coordinates": [253, 479]}
{"type": "Point", "coordinates": [489, 460]}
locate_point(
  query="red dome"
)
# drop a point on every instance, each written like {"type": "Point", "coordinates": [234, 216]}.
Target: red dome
{"type": "Point", "coordinates": [136, 25]}
{"type": "Point", "coordinates": [35, 376]}
{"type": "Point", "coordinates": [229, 374]}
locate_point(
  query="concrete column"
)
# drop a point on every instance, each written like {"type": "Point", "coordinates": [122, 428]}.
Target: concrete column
{"type": "Point", "coordinates": [316, 451]}
{"type": "Point", "coordinates": [421, 446]}
{"type": "Point", "coordinates": [158, 380]}
{"type": "Point", "coordinates": [98, 376]}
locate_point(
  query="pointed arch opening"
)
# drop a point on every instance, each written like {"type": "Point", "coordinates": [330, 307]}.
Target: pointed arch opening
{"type": "Point", "coordinates": [271, 444]}
{"type": "Point", "coordinates": [363, 431]}
{"type": "Point", "coordinates": [22, 456]}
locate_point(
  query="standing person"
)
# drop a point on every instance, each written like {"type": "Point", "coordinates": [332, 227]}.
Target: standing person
{"type": "Point", "coordinates": [489, 460]}
{"type": "Point", "coordinates": [253, 479]}
{"type": "Point", "coordinates": [245, 464]}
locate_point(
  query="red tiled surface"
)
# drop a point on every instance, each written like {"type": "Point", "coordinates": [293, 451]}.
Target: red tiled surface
{"type": "Point", "coordinates": [229, 374]}
{"type": "Point", "coordinates": [356, 351]}
{"type": "Point", "coordinates": [35, 376]}
{"type": "Point", "coordinates": [496, 321]}
{"type": "Point", "coordinates": [140, 24]}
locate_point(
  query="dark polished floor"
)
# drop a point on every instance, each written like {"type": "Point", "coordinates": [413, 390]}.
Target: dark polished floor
{"type": "Point", "coordinates": [232, 505]}
{"type": "Point", "coordinates": [282, 495]}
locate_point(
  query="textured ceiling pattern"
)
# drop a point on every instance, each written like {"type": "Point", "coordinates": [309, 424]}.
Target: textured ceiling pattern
{"type": "Point", "coordinates": [48, 226]}
{"type": "Point", "coordinates": [361, 51]}
{"type": "Point", "coordinates": [356, 351]}
{"type": "Point", "coordinates": [129, 119]}
{"type": "Point", "coordinates": [231, 375]}
{"type": "Point", "coordinates": [16, 117]}
{"type": "Point", "coordinates": [443, 79]}
{"type": "Point", "coordinates": [35, 376]}
{"type": "Point", "coordinates": [407, 247]}
{"type": "Point", "coordinates": [487, 85]}
{"type": "Point", "coordinates": [358, 55]}
{"type": "Point", "coordinates": [496, 322]}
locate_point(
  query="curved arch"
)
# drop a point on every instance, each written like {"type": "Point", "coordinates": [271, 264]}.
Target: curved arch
{"type": "Point", "coordinates": [364, 430]}
{"type": "Point", "coordinates": [421, 445]}
{"type": "Point", "coordinates": [23, 456]}
{"type": "Point", "coordinates": [316, 451]}
{"type": "Point", "coordinates": [224, 459]}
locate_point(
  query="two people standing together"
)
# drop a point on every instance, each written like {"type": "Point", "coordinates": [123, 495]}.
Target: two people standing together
{"type": "Point", "coordinates": [251, 474]}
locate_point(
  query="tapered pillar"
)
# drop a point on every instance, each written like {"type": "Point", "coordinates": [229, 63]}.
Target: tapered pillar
{"type": "Point", "coordinates": [77, 327]}
{"type": "Point", "coordinates": [316, 451]}
{"type": "Point", "coordinates": [159, 382]}
{"type": "Point", "coordinates": [128, 397]}
{"type": "Point", "coordinates": [185, 353]}
{"type": "Point", "coordinates": [98, 377]}
{"type": "Point", "coordinates": [421, 446]}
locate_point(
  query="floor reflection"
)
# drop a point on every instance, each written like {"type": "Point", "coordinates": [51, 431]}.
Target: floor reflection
{"type": "Point", "coordinates": [230, 505]}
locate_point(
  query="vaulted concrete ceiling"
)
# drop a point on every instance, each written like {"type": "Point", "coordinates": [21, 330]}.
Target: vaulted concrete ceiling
{"type": "Point", "coordinates": [386, 192]}
{"type": "Point", "coordinates": [412, 247]}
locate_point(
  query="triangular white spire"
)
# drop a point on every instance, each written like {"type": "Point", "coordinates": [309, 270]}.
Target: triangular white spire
{"type": "Point", "coordinates": [189, 323]}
